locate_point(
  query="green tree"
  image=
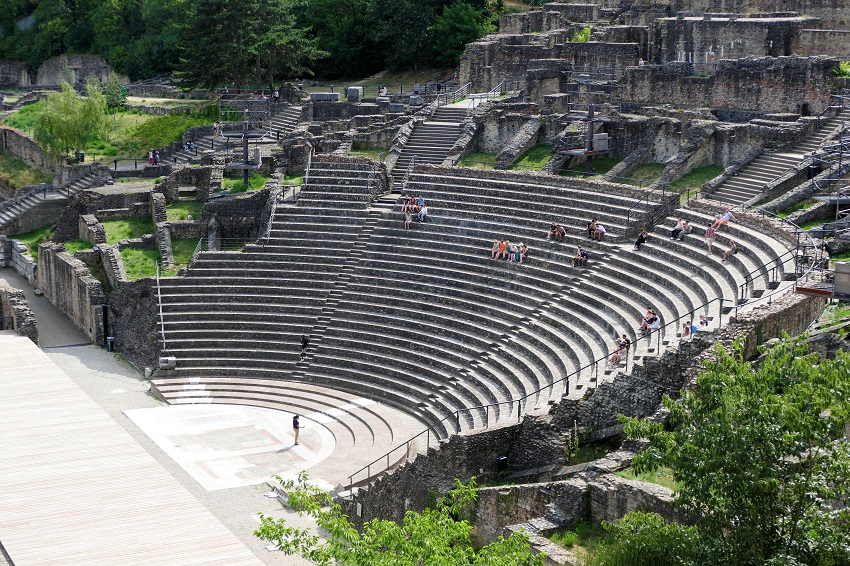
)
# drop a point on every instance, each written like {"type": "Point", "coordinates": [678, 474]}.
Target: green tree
{"type": "Point", "coordinates": [283, 49]}
{"type": "Point", "coordinates": [458, 24]}
{"type": "Point", "coordinates": [646, 539]}
{"type": "Point", "coordinates": [69, 121]}
{"type": "Point", "coordinates": [433, 537]}
{"type": "Point", "coordinates": [114, 93]}
{"type": "Point", "coordinates": [344, 30]}
{"type": "Point", "coordinates": [762, 456]}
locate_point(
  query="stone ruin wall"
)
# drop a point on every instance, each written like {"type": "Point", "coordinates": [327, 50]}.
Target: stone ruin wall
{"type": "Point", "coordinates": [17, 143]}
{"type": "Point", "coordinates": [68, 284]}
{"type": "Point", "coordinates": [52, 71]}
{"type": "Point", "coordinates": [16, 313]}
{"type": "Point", "coordinates": [14, 75]}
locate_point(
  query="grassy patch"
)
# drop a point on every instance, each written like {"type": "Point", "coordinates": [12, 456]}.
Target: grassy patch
{"type": "Point", "coordinates": [804, 205]}
{"type": "Point", "coordinates": [643, 175]}
{"type": "Point", "coordinates": [32, 239]}
{"type": "Point", "coordinates": [535, 158]}
{"type": "Point", "coordinates": [139, 263]}
{"type": "Point", "coordinates": [584, 539]}
{"type": "Point", "coordinates": [183, 250]}
{"type": "Point", "coordinates": [158, 131]}
{"type": "Point", "coordinates": [840, 310]}
{"type": "Point", "coordinates": [844, 256]}
{"type": "Point", "coordinates": [661, 476]}
{"type": "Point", "coordinates": [16, 173]}
{"type": "Point", "coordinates": [478, 159]}
{"type": "Point", "coordinates": [255, 183]}
{"type": "Point", "coordinates": [182, 209]}
{"type": "Point", "coordinates": [374, 154]}
{"type": "Point", "coordinates": [75, 246]}
{"type": "Point", "coordinates": [25, 118]}
{"type": "Point", "coordinates": [595, 451]}
{"type": "Point", "coordinates": [294, 180]}
{"type": "Point", "coordinates": [696, 178]}
{"type": "Point", "coordinates": [813, 224]}
{"type": "Point", "coordinates": [117, 230]}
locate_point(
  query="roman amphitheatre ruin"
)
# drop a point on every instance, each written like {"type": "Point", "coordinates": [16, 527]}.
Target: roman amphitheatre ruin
{"type": "Point", "coordinates": [426, 358]}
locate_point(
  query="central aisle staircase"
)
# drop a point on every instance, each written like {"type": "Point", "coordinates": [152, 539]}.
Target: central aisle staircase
{"type": "Point", "coordinates": [431, 140]}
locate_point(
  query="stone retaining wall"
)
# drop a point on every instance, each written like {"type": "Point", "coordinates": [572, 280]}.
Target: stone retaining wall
{"type": "Point", "coordinates": [15, 313]}
{"type": "Point", "coordinates": [68, 284]}
{"type": "Point", "coordinates": [134, 318]}
{"type": "Point", "coordinates": [17, 143]}
{"type": "Point", "coordinates": [14, 74]}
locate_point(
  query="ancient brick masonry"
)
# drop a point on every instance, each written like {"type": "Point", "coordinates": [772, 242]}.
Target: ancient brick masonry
{"type": "Point", "coordinates": [16, 314]}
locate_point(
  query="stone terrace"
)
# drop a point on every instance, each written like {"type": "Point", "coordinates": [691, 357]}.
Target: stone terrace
{"type": "Point", "coordinates": [422, 319]}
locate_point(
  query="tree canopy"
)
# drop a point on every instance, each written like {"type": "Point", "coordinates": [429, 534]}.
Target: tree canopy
{"type": "Point", "coordinates": [762, 457]}
{"type": "Point", "coordinates": [228, 41]}
{"type": "Point", "coordinates": [434, 537]}
{"type": "Point", "coordinates": [69, 121]}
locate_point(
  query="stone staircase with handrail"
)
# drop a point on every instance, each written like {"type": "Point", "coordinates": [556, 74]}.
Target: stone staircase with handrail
{"type": "Point", "coordinates": [13, 209]}
{"type": "Point", "coordinates": [431, 140]}
{"type": "Point", "coordinates": [752, 178]}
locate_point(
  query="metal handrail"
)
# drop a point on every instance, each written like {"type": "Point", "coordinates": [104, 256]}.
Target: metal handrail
{"type": "Point", "coordinates": [496, 91]}
{"type": "Point", "coordinates": [645, 197]}
{"type": "Point", "coordinates": [161, 318]}
{"type": "Point", "coordinates": [268, 232]}
{"type": "Point", "coordinates": [407, 173]}
{"type": "Point", "coordinates": [564, 379]}
{"type": "Point", "coordinates": [749, 278]}
{"type": "Point", "coordinates": [459, 94]}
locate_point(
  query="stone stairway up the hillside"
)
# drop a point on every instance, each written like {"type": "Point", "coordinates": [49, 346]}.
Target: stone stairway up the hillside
{"type": "Point", "coordinates": [12, 210]}
{"type": "Point", "coordinates": [430, 141]}
{"type": "Point", "coordinates": [751, 179]}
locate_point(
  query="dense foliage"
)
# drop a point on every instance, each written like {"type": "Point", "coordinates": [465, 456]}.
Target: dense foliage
{"type": "Point", "coordinates": [232, 42]}
{"type": "Point", "coordinates": [69, 121]}
{"type": "Point", "coordinates": [434, 537]}
{"type": "Point", "coordinates": [762, 458]}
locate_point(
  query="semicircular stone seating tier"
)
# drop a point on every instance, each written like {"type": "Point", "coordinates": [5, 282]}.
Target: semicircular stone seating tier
{"type": "Point", "coordinates": [423, 319]}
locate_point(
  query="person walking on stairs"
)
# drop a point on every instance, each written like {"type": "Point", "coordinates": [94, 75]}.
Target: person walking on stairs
{"type": "Point", "coordinates": [305, 343]}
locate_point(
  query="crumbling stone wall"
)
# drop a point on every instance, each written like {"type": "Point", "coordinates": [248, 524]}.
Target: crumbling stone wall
{"type": "Point", "coordinates": [70, 287]}
{"type": "Point", "coordinates": [133, 204]}
{"type": "Point", "coordinates": [134, 321]}
{"type": "Point", "coordinates": [706, 41]}
{"type": "Point", "coordinates": [14, 75]}
{"type": "Point", "coordinates": [15, 313]}
{"type": "Point", "coordinates": [238, 216]}
{"type": "Point", "coordinates": [831, 42]}
{"type": "Point", "coordinates": [52, 71]}
{"type": "Point", "coordinates": [91, 230]}
{"type": "Point", "coordinates": [17, 143]}
{"type": "Point", "coordinates": [801, 85]}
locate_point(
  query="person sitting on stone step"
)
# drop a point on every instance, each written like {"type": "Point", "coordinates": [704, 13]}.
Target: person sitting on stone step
{"type": "Point", "coordinates": [615, 357]}
{"type": "Point", "coordinates": [494, 251]}
{"type": "Point", "coordinates": [599, 232]}
{"type": "Point", "coordinates": [674, 233]}
{"type": "Point", "coordinates": [408, 218]}
{"type": "Point", "coordinates": [581, 257]}
{"type": "Point", "coordinates": [649, 319]}
{"type": "Point", "coordinates": [641, 239]}
{"type": "Point", "coordinates": [686, 229]}
{"type": "Point", "coordinates": [625, 344]}
{"type": "Point", "coordinates": [523, 249]}
{"type": "Point", "coordinates": [503, 248]}
{"type": "Point", "coordinates": [686, 329]}
{"type": "Point", "coordinates": [423, 213]}
{"type": "Point", "coordinates": [733, 249]}
{"type": "Point", "coordinates": [724, 219]}
{"type": "Point", "coordinates": [591, 228]}
{"type": "Point", "coordinates": [553, 229]}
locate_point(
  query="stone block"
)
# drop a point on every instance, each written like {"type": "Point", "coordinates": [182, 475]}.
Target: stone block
{"type": "Point", "coordinates": [354, 93]}
{"type": "Point", "coordinates": [324, 96]}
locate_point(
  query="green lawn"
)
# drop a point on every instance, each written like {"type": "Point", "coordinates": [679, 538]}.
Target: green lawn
{"type": "Point", "coordinates": [139, 263]}
{"type": "Point", "coordinates": [696, 178]}
{"type": "Point", "coordinates": [32, 239]}
{"type": "Point", "coordinates": [255, 183]}
{"type": "Point", "coordinates": [183, 250]}
{"type": "Point", "coordinates": [117, 230]}
{"type": "Point", "coordinates": [478, 159]}
{"type": "Point", "coordinates": [661, 476]}
{"type": "Point", "coordinates": [584, 539]}
{"type": "Point", "coordinates": [180, 210]}
{"type": "Point", "coordinates": [535, 158]}
{"type": "Point", "coordinates": [804, 205]}
{"type": "Point", "coordinates": [373, 154]}
{"type": "Point", "coordinates": [16, 173]}
{"type": "Point", "coordinates": [75, 246]}
{"type": "Point", "coordinates": [25, 118]}
{"type": "Point", "coordinates": [644, 175]}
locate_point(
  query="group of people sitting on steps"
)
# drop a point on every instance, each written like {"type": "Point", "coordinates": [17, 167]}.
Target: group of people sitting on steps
{"type": "Point", "coordinates": [651, 321]}
{"type": "Point", "coordinates": [504, 249]}
{"type": "Point", "coordinates": [691, 327]}
{"type": "Point", "coordinates": [413, 205]}
{"type": "Point", "coordinates": [683, 228]}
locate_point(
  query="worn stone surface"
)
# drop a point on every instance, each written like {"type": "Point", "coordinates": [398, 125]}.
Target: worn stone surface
{"type": "Point", "coordinates": [134, 321]}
